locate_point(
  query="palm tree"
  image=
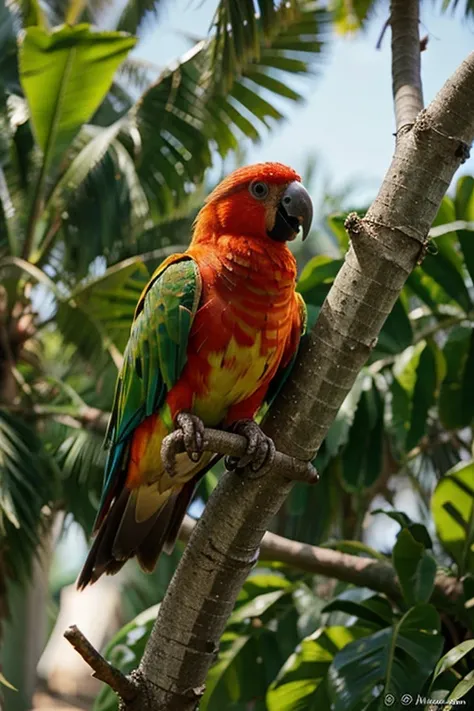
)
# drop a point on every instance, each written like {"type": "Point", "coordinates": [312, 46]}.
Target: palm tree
{"type": "Point", "coordinates": [96, 186]}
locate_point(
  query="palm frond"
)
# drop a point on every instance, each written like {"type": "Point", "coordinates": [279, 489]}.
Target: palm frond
{"type": "Point", "coordinates": [28, 482]}
{"type": "Point", "coordinates": [109, 301]}
{"type": "Point", "coordinates": [137, 74]}
{"type": "Point", "coordinates": [187, 113]}
{"type": "Point", "coordinates": [18, 168]}
{"type": "Point", "coordinates": [8, 64]}
{"type": "Point", "coordinates": [80, 457]}
{"type": "Point", "coordinates": [466, 6]}
{"type": "Point", "coordinates": [137, 14]}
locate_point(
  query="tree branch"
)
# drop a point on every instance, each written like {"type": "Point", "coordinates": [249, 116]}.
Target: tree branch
{"type": "Point", "coordinates": [377, 575]}
{"type": "Point", "coordinates": [386, 245]}
{"type": "Point", "coordinates": [406, 54]}
{"type": "Point", "coordinates": [125, 687]}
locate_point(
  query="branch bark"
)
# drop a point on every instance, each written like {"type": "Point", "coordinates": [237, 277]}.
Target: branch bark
{"type": "Point", "coordinates": [378, 575]}
{"type": "Point", "coordinates": [104, 671]}
{"type": "Point", "coordinates": [386, 246]}
{"type": "Point", "coordinates": [406, 55]}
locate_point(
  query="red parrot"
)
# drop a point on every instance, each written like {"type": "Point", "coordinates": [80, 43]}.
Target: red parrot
{"type": "Point", "coordinates": [214, 333]}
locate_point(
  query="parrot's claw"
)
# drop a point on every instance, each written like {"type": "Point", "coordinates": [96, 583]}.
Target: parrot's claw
{"type": "Point", "coordinates": [261, 449]}
{"type": "Point", "coordinates": [189, 430]}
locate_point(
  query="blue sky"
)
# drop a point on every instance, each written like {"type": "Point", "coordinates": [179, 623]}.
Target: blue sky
{"type": "Point", "coordinates": [347, 120]}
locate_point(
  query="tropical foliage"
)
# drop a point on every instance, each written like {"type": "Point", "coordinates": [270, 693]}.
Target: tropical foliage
{"type": "Point", "coordinates": [103, 163]}
{"type": "Point", "coordinates": [93, 193]}
{"type": "Point", "coordinates": [404, 431]}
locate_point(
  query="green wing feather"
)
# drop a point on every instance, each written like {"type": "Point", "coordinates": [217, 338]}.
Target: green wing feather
{"type": "Point", "coordinates": [154, 358]}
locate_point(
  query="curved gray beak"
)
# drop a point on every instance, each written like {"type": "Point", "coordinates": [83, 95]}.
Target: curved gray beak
{"type": "Point", "coordinates": [297, 204]}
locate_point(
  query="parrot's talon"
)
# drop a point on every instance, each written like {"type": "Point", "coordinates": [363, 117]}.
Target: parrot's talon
{"type": "Point", "coordinates": [170, 447]}
{"type": "Point", "coordinates": [192, 428]}
{"type": "Point", "coordinates": [190, 432]}
{"type": "Point", "coordinates": [260, 453]}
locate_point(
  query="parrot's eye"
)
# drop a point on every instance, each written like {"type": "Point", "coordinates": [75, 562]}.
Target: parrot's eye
{"type": "Point", "coordinates": [258, 189]}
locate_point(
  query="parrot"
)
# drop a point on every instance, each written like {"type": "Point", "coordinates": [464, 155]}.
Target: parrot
{"type": "Point", "coordinates": [214, 334]}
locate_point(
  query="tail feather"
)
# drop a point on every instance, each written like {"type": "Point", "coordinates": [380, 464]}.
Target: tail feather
{"type": "Point", "coordinates": [162, 536]}
{"type": "Point", "coordinates": [100, 559]}
{"type": "Point", "coordinates": [142, 523]}
{"type": "Point", "coordinates": [152, 545]}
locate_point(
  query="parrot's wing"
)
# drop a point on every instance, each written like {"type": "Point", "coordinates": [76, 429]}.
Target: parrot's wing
{"type": "Point", "coordinates": [283, 373]}
{"type": "Point", "coordinates": [154, 358]}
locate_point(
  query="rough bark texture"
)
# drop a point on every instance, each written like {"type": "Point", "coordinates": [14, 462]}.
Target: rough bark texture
{"type": "Point", "coordinates": [386, 245]}
{"type": "Point", "coordinates": [406, 80]}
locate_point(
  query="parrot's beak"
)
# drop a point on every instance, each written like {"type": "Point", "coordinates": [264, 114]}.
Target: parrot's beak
{"type": "Point", "coordinates": [295, 210]}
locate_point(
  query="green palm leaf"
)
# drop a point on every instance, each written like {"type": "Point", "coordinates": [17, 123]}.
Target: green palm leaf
{"type": "Point", "coordinates": [28, 479]}
{"type": "Point", "coordinates": [179, 120]}
{"type": "Point", "coordinates": [137, 14]}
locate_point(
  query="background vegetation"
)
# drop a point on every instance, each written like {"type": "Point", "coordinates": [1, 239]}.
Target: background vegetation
{"type": "Point", "coordinates": [102, 169]}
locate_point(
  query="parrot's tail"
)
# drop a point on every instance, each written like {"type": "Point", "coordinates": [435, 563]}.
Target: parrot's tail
{"type": "Point", "coordinates": [121, 536]}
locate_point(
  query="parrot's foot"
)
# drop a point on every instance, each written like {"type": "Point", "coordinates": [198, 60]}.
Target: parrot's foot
{"type": "Point", "coordinates": [189, 430]}
{"type": "Point", "coordinates": [261, 450]}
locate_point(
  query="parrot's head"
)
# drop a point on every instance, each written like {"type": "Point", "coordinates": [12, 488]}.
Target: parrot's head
{"type": "Point", "coordinates": [262, 200]}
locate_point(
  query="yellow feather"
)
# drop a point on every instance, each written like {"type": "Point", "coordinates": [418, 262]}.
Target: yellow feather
{"type": "Point", "coordinates": [235, 375]}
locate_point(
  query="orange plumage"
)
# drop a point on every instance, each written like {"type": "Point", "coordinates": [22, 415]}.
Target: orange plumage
{"type": "Point", "coordinates": [245, 329]}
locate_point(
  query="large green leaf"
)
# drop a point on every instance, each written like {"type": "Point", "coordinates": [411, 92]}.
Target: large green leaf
{"type": "Point", "coordinates": [317, 277]}
{"type": "Point", "coordinates": [301, 684]}
{"type": "Point", "coordinates": [456, 404]}
{"type": "Point", "coordinates": [398, 658]}
{"type": "Point", "coordinates": [416, 569]}
{"type": "Point", "coordinates": [451, 658]}
{"type": "Point", "coordinates": [396, 333]}
{"type": "Point", "coordinates": [417, 530]}
{"type": "Point", "coordinates": [263, 627]}
{"type": "Point", "coordinates": [65, 75]}
{"type": "Point", "coordinates": [362, 456]}
{"type": "Point", "coordinates": [417, 375]}
{"type": "Point", "coordinates": [460, 691]}
{"type": "Point", "coordinates": [452, 507]}
{"type": "Point", "coordinates": [447, 273]}
{"type": "Point", "coordinates": [339, 431]}
{"type": "Point", "coordinates": [464, 205]}
{"type": "Point", "coordinates": [373, 611]}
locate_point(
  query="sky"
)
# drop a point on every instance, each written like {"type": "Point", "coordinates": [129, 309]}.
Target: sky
{"type": "Point", "coordinates": [347, 120]}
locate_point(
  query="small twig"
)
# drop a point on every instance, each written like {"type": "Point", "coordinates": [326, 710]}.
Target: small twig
{"type": "Point", "coordinates": [386, 25]}
{"type": "Point", "coordinates": [118, 682]}
{"type": "Point", "coordinates": [234, 445]}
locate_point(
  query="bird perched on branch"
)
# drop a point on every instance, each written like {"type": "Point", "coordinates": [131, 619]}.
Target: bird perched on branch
{"type": "Point", "coordinates": [214, 333]}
